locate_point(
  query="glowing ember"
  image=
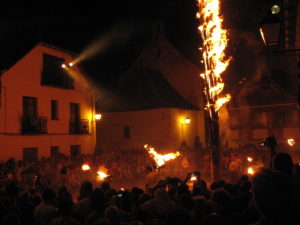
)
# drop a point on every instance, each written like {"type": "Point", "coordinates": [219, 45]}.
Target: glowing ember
{"type": "Point", "coordinates": [85, 167]}
{"type": "Point", "coordinates": [160, 159]}
{"type": "Point", "coordinates": [250, 171]}
{"type": "Point", "coordinates": [193, 178]}
{"type": "Point", "coordinates": [291, 141]}
{"type": "Point", "coordinates": [249, 159]}
{"type": "Point", "coordinates": [214, 43]}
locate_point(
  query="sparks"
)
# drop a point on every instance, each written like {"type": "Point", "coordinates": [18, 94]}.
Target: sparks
{"type": "Point", "coordinates": [158, 158]}
{"type": "Point", "coordinates": [214, 44]}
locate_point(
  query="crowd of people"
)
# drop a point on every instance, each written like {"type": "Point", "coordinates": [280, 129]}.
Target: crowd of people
{"type": "Point", "coordinates": [56, 191]}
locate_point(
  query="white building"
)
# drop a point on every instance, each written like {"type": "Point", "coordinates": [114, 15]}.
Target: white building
{"type": "Point", "coordinates": [45, 109]}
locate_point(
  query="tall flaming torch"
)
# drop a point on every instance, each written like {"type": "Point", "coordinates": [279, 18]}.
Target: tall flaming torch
{"type": "Point", "coordinates": [215, 63]}
{"type": "Point", "coordinates": [159, 158]}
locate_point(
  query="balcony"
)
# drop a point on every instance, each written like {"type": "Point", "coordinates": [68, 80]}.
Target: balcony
{"type": "Point", "coordinates": [33, 125]}
{"type": "Point", "coordinates": [79, 126]}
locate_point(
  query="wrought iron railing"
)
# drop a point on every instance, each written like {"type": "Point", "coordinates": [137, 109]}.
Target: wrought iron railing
{"type": "Point", "coordinates": [80, 126]}
{"type": "Point", "coordinates": [33, 125]}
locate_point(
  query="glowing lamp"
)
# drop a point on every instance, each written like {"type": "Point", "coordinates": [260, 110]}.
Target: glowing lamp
{"type": "Point", "coordinates": [98, 117]}
{"type": "Point", "coordinates": [71, 64]}
{"type": "Point", "coordinates": [270, 29]}
{"type": "Point", "coordinates": [249, 159]}
{"type": "Point", "coordinates": [63, 65]}
{"type": "Point", "coordinates": [275, 9]}
{"type": "Point", "coordinates": [187, 121]}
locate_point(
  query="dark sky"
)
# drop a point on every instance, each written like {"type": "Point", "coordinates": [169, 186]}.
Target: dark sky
{"type": "Point", "coordinates": [124, 26]}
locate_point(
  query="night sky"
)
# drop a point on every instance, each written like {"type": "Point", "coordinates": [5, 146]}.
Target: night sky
{"type": "Point", "coordinates": [125, 27]}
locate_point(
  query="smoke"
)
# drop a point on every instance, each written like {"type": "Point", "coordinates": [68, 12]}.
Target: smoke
{"type": "Point", "coordinates": [116, 37]}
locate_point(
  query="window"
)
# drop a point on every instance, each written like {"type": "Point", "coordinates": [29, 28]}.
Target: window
{"type": "Point", "coordinates": [54, 110]}
{"type": "Point", "coordinates": [126, 132]}
{"type": "Point", "coordinates": [54, 75]}
{"type": "Point", "coordinates": [30, 154]}
{"type": "Point", "coordinates": [54, 151]}
{"type": "Point", "coordinates": [29, 106]}
{"type": "Point", "coordinates": [75, 151]}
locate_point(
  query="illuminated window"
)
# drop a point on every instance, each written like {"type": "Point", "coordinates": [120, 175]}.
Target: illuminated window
{"type": "Point", "coordinates": [54, 110]}
{"type": "Point", "coordinates": [126, 132]}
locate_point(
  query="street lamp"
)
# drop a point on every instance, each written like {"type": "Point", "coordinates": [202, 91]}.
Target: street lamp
{"type": "Point", "coordinates": [98, 117]}
{"type": "Point", "coordinates": [270, 30]}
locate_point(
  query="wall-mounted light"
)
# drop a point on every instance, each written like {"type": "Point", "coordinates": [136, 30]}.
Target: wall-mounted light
{"type": "Point", "coordinates": [63, 65]}
{"type": "Point", "coordinates": [98, 117]}
{"type": "Point", "coordinates": [187, 120]}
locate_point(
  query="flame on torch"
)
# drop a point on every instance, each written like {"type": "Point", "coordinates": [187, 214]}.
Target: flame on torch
{"type": "Point", "coordinates": [85, 167]}
{"type": "Point", "coordinates": [214, 43]}
{"type": "Point", "coordinates": [250, 170]}
{"type": "Point", "coordinates": [249, 159]}
{"type": "Point", "coordinates": [291, 142]}
{"type": "Point", "coordinates": [102, 173]}
{"type": "Point", "coordinates": [159, 158]}
{"type": "Point", "coordinates": [193, 178]}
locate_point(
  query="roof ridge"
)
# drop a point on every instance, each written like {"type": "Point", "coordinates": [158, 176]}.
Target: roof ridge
{"type": "Point", "coordinates": [45, 44]}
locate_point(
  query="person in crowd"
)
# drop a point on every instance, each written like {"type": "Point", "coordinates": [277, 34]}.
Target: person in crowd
{"type": "Point", "coordinates": [65, 206]}
{"type": "Point", "coordinates": [84, 205]}
{"type": "Point", "coordinates": [272, 197]}
{"type": "Point", "coordinates": [46, 210]}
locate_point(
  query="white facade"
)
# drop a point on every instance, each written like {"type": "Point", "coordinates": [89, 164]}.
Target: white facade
{"type": "Point", "coordinates": [35, 115]}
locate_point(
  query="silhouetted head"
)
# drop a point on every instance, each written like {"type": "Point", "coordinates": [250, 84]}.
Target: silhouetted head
{"type": "Point", "coordinates": [48, 195]}
{"type": "Point", "coordinates": [283, 162]}
{"type": "Point", "coordinates": [271, 189]}
{"type": "Point", "coordinates": [86, 189]}
{"type": "Point", "coordinates": [178, 216]}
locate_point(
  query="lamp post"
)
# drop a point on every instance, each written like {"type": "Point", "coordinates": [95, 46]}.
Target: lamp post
{"type": "Point", "coordinates": [278, 30]}
{"type": "Point", "coordinates": [271, 27]}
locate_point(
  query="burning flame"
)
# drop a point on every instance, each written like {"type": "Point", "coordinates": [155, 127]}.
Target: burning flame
{"type": "Point", "coordinates": [158, 158]}
{"type": "Point", "coordinates": [249, 159]}
{"type": "Point", "coordinates": [85, 167]}
{"type": "Point", "coordinates": [193, 178]}
{"type": "Point", "coordinates": [250, 170]}
{"type": "Point", "coordinates": [214, 43]}
{"type": "Point", "coordinates": [291, 142]}
{"type": "Point", "coordinates": [102, 173]}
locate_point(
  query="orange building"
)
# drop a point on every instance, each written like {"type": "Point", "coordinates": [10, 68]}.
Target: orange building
{"type": "Point", "coordinates": [45, 109]}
